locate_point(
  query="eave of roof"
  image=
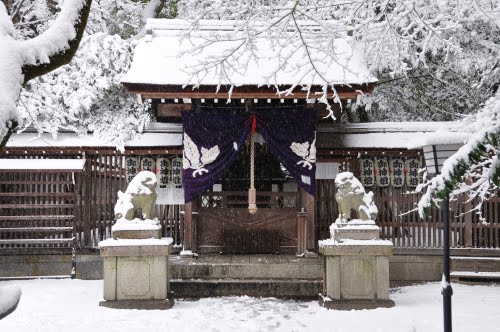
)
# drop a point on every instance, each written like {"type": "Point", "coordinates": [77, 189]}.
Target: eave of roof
{"type": "Point", "coordinates": [154, 91]}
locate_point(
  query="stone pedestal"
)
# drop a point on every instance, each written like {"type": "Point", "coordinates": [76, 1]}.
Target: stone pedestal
{"type": "Point", "coordinates": [136, 273]}
{"type": "Point", "coordinates": [136, 229]}
{"type": "Point", "coordinates": [355, 268]}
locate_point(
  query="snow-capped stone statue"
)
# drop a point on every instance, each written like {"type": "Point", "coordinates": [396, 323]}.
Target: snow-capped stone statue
{"type": "Point", "coordinates": [139, 196]}
{"type": "Point", "coordinates": [135, 209]}
{"type": "Point", "coordinates": [137, 247]}
{"type": "Point", "coordinates": [355, 252]}
{"type": "Point", "coordinates": [351, 195]}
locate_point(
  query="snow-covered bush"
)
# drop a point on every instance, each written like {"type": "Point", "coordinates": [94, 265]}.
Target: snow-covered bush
{"type": "Point", "coordinates": [86, 95]}
{"type": "Point", "coordinates": [9, 298]}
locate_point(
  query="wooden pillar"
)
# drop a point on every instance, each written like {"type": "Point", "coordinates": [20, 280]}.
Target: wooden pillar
{"type": "Point", "coordinates": [307, 202]}
{"type": "Point", "coordinates": [189, 221]}
{"type": "Point", "coordinates": [301, 233]}
{"type": "Point", "coordinates": [311, 231]}
{"type": "Point", "coordinates": [87, 193]}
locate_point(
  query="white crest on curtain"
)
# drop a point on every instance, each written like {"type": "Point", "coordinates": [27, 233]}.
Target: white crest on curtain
{"type": "Point", "coordinates": [306, 151]}
{"type": "Point", "coordinates": [192, 159]}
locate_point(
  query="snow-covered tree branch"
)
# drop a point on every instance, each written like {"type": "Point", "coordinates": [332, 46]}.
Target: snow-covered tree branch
{"type": "Point", "coordinates": [22, 60]}
{"type": "Point", "coordinates": [86, 95]}
{"type": "Point", "coordinates": [449, 48]}
{"type": "Point", "coordinates": [57, 45]}
{"type": "Point", "coordinates": [395, 36]}
{"type": "Point", "coordinates": [475, 168]}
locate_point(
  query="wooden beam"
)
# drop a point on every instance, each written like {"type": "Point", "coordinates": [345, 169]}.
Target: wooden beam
{"type": "Point", "coordinates": [235, 95]}
{"type": "Point", "coordinates": [89, 150]}
{"type": "Point", "coordinates": [158, 91]}
{"type": "Point", "coordinates": [171, 110]}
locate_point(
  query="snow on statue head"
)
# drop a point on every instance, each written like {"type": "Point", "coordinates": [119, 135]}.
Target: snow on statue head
{"type": "Point", "coordinates": [140, 198]}
{"type": "Point", "coordinates": [351, 195]}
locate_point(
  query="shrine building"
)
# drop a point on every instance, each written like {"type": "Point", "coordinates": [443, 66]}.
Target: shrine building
{"type": "Point", "coordinates": [243, 166]}
{"type": "Point", "coordinates": [257, 157]}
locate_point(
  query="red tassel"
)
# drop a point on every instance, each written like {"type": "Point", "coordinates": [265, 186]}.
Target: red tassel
{"type": "Point", "coordinates": [254, 124]}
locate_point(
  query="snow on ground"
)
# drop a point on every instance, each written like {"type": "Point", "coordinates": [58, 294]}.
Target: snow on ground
{"type": "Point", "coordinates": [72, 305]}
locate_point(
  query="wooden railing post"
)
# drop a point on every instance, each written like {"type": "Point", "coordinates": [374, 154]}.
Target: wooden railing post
{"type": "Point", "coordinates": [86, 194]}
{"type": "Point", "coordinates": [189, 222]}
{"type": "Point", "coordinates": [307, 202]}
{"type": "Point", "coordinates": [301, 233]}
{"type": "Point", "coordinates": [468, 225]}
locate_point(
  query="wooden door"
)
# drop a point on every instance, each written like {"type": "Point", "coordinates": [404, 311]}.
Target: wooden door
{"type": "Point", "coordinates": [225, 225]}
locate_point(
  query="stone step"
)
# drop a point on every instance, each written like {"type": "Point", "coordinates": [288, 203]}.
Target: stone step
{"type": "Point", "coordinates": [475, 264]}
{"type": "Point", "coordinates": [468, 276]}
{"type": "Point", "coordinates": [290, 289]}
{"type": "Point", "coordinates": [274, 267]}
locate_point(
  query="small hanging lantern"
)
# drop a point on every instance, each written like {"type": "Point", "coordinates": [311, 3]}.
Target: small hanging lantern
{"type": "Point", "coordinates": [252, 193]}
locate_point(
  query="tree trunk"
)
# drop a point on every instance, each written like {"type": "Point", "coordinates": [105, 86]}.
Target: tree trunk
{"type": "Point", "coordinates": [5, 139]}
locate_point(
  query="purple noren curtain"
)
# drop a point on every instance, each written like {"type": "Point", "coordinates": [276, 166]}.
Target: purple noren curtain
{"type": "Point", "coordinates": [291, 136]}
{"type": "Point", "coordinates": [213, 139]}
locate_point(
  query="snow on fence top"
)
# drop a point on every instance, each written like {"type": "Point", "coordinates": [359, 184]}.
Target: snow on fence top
{"type": "Point", "coordinates": [390, 135]}
{"type": "Point", "coordinates": [42, 164]}
{"type": "Point", "coordinates": [168, 55]}
{"type": "Point", "coordinates": [441, 136]}
{"type": "Point", "coordinates": [156, 134]}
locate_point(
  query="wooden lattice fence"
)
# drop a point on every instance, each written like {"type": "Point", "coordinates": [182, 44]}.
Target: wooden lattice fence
{"type": "Point", "coordinates": [75, 211]}
{"type": "Point", "coordinates": [400, 223]}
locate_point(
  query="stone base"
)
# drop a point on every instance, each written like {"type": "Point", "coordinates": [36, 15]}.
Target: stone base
{"type": "Point", "coordinates": [310, 254]}
{"type": "Point", "coordinates": [140, 304]}
{"type": "Point", "coordinates": [358, 304]}
{"type": "Point", "coordinates": [136, 270]}
{"type": "Point", "coordinates": [137, 234]}
{"type": "Point", "coordinates": [355, 232]}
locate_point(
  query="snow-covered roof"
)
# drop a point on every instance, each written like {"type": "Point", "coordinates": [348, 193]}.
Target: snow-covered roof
{"type": "Point", "coordinates": [163, 57]}
{"type": "Point", "coordinates": [155, 134]}
{"type": "Point", "coordinates": [389, 135]}
{"type": "Point", "coordinates": [441, 136]}
{"type": "Point", "coordinates": [42, 164]}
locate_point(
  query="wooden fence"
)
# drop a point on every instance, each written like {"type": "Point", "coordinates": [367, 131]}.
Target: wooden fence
{"type": "Point", "coordinates": [39, 209]}
{"type": "Point", "coordinates": [27, 199]}
{"type": "Point", "coordinates": [85, 203]}
{"type": "Point", "coordinates": [400, 222]}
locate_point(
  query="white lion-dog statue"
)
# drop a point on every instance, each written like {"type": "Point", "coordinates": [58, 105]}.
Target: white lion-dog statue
{"type": "Point", "coordinates": [140, 194]}
{"type": "Point", "coordinates": [351, 195]}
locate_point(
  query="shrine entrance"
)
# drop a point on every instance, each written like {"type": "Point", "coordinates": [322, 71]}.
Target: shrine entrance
{"type": "Point", "coordinates": [247, 172]}
{"type": "Point", "coordinates": [224, 222]}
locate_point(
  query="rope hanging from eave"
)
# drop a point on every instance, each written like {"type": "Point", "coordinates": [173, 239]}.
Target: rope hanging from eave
{"type": "Point", "coordinates": [252, 193]}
